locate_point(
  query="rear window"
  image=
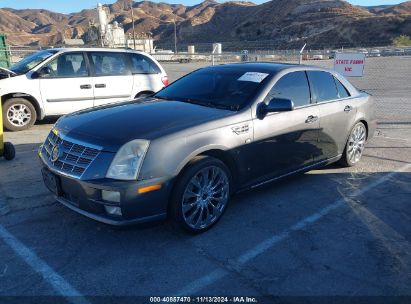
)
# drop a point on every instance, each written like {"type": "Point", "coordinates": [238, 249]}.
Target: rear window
{"type": "Point", "coordinates": [342, 91]}
{"type": "Point", "coordinates": [143, 65]}
{"type": "Point", "coordinates": [323, 87]}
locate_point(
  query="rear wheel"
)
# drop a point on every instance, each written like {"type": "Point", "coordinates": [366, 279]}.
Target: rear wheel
{"type": "Point", "coordinates": [144, 94]}
{"type": "Point", "coordinates": [18, 114]}
{"type": "Point", "coordinates": [355, 145]}
{"type": "Point", "coordinates": [201, 194]}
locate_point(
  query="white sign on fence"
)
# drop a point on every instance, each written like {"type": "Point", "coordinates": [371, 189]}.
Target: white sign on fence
{"type": "Point", "coordinates": [349, 64]}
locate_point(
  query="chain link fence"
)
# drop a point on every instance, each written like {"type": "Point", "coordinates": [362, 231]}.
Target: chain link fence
{"type": "Point", "coordinates": [387, 74]}
{"type": "Point", "coordinates": [387, 77]}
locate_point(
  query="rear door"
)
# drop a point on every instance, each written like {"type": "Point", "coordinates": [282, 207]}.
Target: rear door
{"type": "Point", "coordinates": [68, 85]}
{"type": "Point", "coordinates": [337, 112]}
{"type": "Point", "coordinates": [285, 141]}
{"type": "Point", "coordinates": [112, 79]}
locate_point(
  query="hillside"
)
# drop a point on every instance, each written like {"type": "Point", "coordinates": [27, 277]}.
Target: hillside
{"type": "Point", "coordinates": [283, 22]}
{"type": "Point", "coordinates": [402, 8]}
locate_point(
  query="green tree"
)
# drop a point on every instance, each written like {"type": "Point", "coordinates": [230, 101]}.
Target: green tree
{"type": "Point", "coordinates": [402, 40]}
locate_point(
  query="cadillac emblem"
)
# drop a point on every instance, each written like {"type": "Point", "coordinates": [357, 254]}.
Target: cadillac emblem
{"type": "Point", "coordinates": [56, 152]}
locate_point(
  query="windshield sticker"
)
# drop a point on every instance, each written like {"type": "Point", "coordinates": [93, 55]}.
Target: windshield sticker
{"type": "Point", "coordinates": [253, 76]}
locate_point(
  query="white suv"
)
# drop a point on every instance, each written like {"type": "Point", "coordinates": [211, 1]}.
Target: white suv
{"type": "Point", "coordinates": [60, 81]}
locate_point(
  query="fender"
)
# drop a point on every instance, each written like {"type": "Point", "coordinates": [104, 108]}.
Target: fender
{"type": "Point", "coordinates": [32, 99]}
{"type": "Point", "coordinates": [12, 87]}
{"type": "Point", "coordinates": [195, 153]}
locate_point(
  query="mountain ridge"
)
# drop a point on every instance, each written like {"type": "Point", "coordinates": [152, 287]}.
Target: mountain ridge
{"type": "Point", "coordinates": [285, 22]}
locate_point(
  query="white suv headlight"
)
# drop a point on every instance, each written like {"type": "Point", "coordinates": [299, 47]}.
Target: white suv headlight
{"type": "Point", "coordinates": [127, 162]}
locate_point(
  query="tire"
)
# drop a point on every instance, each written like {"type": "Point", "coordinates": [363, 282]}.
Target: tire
{"type": "Point", "coordinates": [354, 147]}
{"type": "Point", "coordinates": [9, 152]}
{"type": "Point", "coordinates": [144, 94]}
{"type": "Point", "coordinates": [18, 114]}
{"type": "Point", "coordinates": [198, 208]}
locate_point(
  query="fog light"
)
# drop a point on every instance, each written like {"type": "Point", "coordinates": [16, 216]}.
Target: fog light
{"type": "Point", "coordinates": [110, 196]}
{"type": "Point", "coordinates": [113, 210]}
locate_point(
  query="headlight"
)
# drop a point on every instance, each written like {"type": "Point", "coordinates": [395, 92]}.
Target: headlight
{"type": "Point", "coordinates": [127, 162]}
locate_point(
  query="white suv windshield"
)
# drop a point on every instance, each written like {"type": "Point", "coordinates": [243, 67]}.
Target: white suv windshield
{"type": "Point", "coordinates": [29, 62]}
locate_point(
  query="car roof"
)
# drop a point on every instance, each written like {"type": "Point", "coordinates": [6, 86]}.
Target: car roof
{"type": "Point", "coordinates": [266, 67]}
{"type": "Point", "coordinates": [96, 50]}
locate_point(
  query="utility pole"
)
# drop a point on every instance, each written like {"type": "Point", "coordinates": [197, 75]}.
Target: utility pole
{"type": "Point", "coordinates": [175, 37]}
{"type": "Point", "coordinates": [132, 20]}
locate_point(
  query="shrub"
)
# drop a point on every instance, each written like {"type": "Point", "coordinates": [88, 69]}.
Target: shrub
{"type": "Point", "coordinates": [402, 40]}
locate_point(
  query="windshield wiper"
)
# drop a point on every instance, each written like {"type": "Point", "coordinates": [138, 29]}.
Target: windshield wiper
{"type": "Point", "coordinates": [182, 99]}
{"type": "Point", "coordinates": [209, 104]}
{"type": "Point", "coordinates": [162, 97]}
{"type": "Point", "coordinates": [222, 106]}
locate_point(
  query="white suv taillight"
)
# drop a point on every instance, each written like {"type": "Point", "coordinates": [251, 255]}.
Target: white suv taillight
{"type": "Point", "coordinates": [165, 80]}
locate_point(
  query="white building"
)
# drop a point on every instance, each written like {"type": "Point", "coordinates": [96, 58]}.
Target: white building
{"type": "Point", "coordinates": [142, 44]}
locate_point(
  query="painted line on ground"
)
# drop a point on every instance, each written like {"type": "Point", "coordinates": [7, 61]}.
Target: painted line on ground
{"type": "Point", "coordinates": [59, 284]}
{"type": "Point", "coordinates": [250, 254]}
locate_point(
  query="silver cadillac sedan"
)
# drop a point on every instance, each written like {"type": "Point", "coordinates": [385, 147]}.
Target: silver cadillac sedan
{"type": "Point", "coordinates": [219, 130]}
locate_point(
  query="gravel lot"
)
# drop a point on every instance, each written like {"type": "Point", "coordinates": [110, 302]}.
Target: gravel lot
{"type": "Point", "coordinates": [329, 232]}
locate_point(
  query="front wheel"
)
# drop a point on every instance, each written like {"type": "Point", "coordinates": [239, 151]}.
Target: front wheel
{"type": "Point", "coordinates": [201, 194]}
{"type": "Point", "coordinates": [18, 114]}
{"type": "Point", "coordinates": [355, 145]}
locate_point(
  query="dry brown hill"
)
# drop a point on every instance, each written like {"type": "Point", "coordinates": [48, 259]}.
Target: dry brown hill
{"type": "Point", "coordinates": [283, 22]}
{"type": "Point", "coordinates": [399, 9]}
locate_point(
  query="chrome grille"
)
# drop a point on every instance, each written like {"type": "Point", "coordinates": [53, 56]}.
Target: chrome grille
{"type": "Point", "coordinates": [74, 159]}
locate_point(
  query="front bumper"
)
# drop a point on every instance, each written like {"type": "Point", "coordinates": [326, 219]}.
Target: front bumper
{"type": "Point", "coordinates": [85, 197]}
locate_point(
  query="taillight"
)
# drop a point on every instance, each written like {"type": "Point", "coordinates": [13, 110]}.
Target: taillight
{"type": "Point", "coordinates": [165, 80]}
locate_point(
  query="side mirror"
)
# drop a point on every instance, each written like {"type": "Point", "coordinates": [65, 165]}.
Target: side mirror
{"type": "Point", "coordinates": [275, 105]}
{"type": "Point", "coordinates": [44, 71]}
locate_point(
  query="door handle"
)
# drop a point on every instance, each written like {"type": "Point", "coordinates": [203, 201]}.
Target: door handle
{"type": "Point", "coordinates": [311, 119]}
{"type": "Point", "coordinates": [100, 85]}
{"type": "Point", "coordinates": [85, 86]}
{"type": "Point", "coordinates": [347, 108]}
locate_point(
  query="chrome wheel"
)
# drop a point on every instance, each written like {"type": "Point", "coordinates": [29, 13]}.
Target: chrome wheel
{"type": "Point", "coordinates": [19, 115]}
{"type": "Point", "coordinates": [356, 143]}
{"type": "Point", "coordinates": [205, 197]}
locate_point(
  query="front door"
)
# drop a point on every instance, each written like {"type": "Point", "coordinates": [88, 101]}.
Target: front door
{"type": "Point", "coordinates": [67, 87]}
{"type": "Point", "coordinates": [112, 78]}
{"type": "Point", "coordinates": [285, 141]}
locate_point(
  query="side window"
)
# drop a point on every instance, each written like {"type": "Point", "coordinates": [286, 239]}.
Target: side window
{"type": "Point", "coordinates": [68, 65]}
{"type": "Point", "coordinates": [109, 64]}
{"type": "Point", "coordinates": [323, 86]}
{"type": "Point", "coordinates": [143, 65]}
{"type": "Point", "coordinates": [293, 86]}
{"type": "Point", "coordinates": [342, 91]}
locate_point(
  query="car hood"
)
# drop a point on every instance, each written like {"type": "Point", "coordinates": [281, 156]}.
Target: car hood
{"type": "Point", "coordinates": [110, 127]}
{"type": "Point", "coordinates": [6, 73]}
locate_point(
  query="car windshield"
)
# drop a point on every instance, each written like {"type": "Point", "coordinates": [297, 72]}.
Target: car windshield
{"type": "Point", "coordinates": [31, 61]}
{"type": "Point", "coordinates": [225, 88]}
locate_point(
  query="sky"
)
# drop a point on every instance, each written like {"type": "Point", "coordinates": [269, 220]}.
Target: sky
{"type": "Point", "coordinates": [70, 6]}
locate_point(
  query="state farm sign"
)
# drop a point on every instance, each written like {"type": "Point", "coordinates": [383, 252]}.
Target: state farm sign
{"type": "Point", "coordinates": [349, 64]}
